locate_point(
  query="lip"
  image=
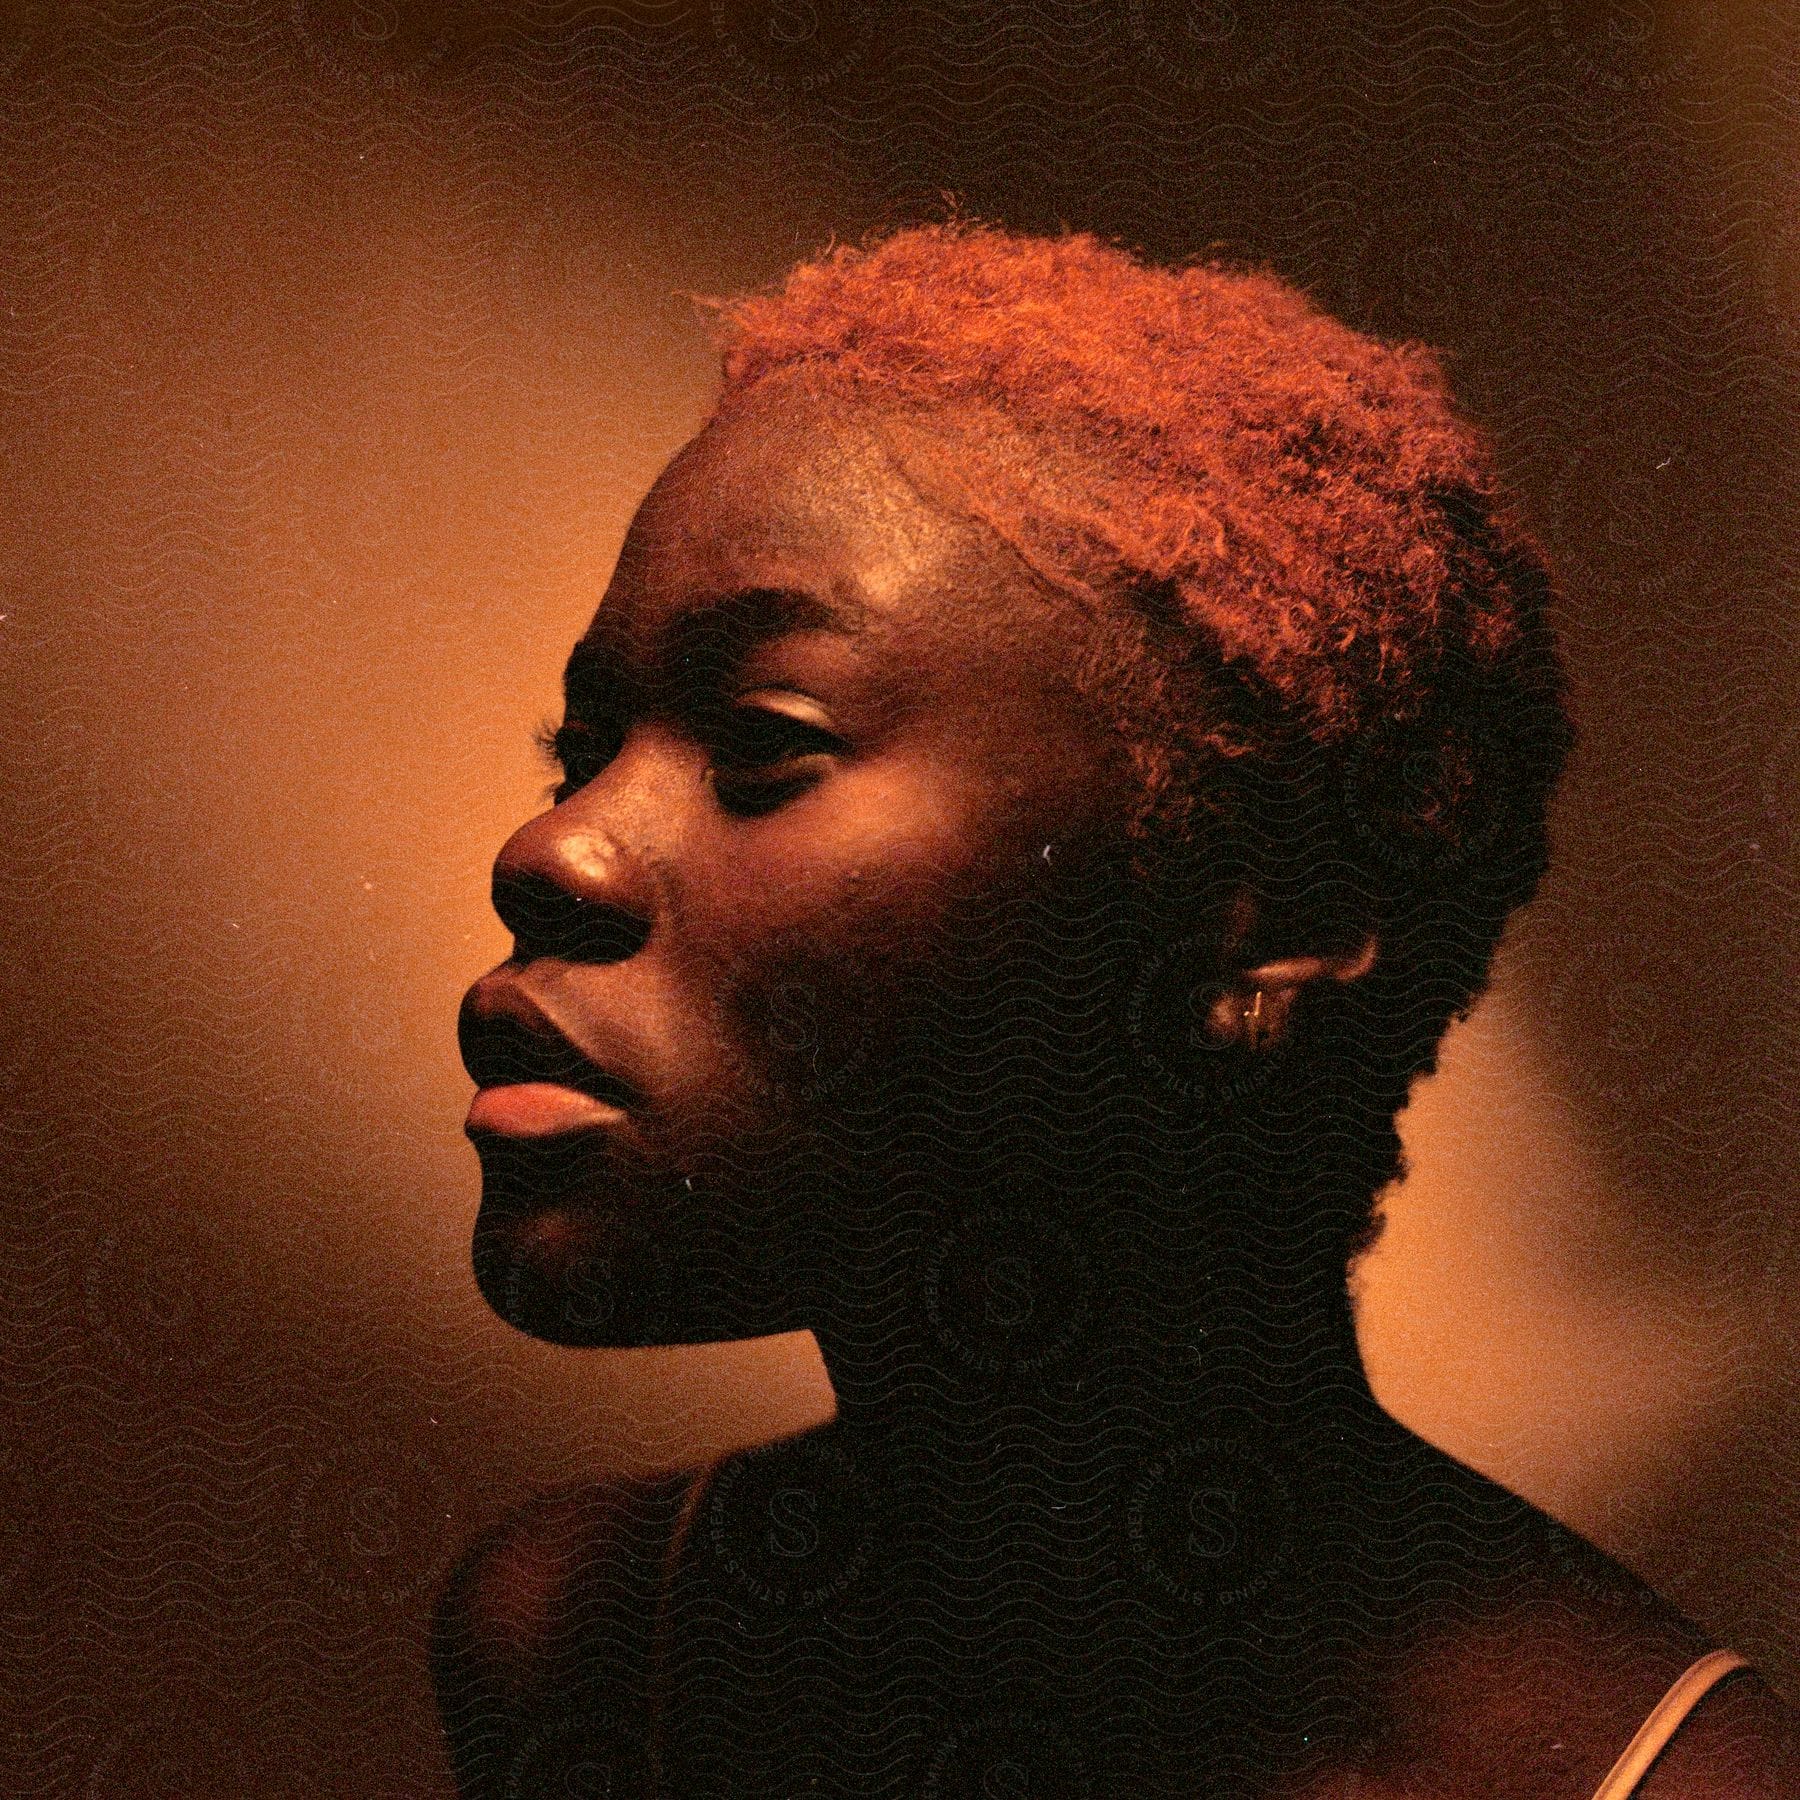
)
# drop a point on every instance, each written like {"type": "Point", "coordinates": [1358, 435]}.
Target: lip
{"type": "Point", "coordinates": [538, 1109]}
{"type": "Point", "coordinates": [533, 1080]}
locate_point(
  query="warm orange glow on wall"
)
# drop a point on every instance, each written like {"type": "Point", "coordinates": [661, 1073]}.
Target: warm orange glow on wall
{"type": "Point", "coordinates": [327, 403]}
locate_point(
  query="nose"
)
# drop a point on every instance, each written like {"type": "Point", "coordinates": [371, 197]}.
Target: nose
{"type": "Point", "coordinates": [566, 887]}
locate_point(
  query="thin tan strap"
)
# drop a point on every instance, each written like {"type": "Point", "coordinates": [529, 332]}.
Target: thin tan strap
{"type": "Point", "coordinates": [1665, 1720]}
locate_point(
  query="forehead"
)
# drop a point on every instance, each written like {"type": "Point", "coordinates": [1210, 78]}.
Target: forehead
{"type": "Point", "coordinates": [792, 492]}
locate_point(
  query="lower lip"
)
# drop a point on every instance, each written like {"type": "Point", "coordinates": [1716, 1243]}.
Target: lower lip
{"type": "Point", "coordinates": [538, 1109]}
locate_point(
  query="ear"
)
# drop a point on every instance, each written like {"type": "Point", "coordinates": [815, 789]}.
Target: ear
{"type": "Point", "coordinates": [1253, 1007]}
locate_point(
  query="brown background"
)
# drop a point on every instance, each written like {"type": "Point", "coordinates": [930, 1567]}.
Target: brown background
{"type": "Point", "coordinates": [337, 342]}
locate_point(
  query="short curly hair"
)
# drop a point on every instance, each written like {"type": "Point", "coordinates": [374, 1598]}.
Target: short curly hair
{"type": "Point", "coordinates": [1336, 658]}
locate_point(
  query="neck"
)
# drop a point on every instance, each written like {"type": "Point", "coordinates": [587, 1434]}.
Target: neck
{"type": "Point", "coordinates": [1122, 1273]}
{"type": "Point", "coordinates": [1026, 1346]}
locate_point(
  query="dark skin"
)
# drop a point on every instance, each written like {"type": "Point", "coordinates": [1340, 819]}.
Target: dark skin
{"type": "Point", "coordinates": [815, 1019]}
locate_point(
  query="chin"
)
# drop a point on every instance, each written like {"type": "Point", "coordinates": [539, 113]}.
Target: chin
{"type": "Point", "coordinates": [554, 1273]}
{"type": "Point", "coordinates": [572, 1273]}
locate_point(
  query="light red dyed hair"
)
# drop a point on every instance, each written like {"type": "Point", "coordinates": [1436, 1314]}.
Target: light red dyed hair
{"type": "Point", "coordinates": [1335, 623]}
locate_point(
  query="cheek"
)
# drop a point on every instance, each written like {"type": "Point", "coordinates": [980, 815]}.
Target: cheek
{"type": "Point", "coordinates": [879, 856]}
{"type": "Point", "coordinates": [842, 913]}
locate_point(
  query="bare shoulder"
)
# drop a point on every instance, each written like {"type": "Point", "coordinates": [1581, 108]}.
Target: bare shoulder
{"type": "Point", "coordinates": [1538, 1687]}
{"type": "Point", "coordinates": [1742, 1742]}
{"type": "Point", "coordinates": [546, 1629]}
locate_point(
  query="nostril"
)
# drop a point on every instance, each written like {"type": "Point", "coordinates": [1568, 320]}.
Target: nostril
{"type": "Point", "coordinates": [604, 933]}
{"type": "Point", "coordinates": [548, 920]}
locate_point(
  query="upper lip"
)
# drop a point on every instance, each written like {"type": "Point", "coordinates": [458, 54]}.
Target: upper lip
{"type": "Point", "coordinates": [506, 1036]}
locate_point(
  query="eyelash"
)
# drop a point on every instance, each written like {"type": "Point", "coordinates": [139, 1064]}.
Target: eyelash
{"type": "Point", "coordinates": [748, 745]}
{"type": "Point", "coordinates": [563, 749]}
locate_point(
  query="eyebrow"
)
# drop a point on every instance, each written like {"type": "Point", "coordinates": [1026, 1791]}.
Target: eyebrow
{"type": "Point", "coordinates": [725, 630]}
{"type": "Point", "coordinates": [708, 640]}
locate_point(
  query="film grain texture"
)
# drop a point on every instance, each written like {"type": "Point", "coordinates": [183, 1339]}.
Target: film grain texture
{"type": "Point", "coordinates": [338, 344]}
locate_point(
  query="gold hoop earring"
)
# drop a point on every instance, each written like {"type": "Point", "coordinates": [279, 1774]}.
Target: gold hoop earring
{"type": "Point", "coordinates": [1253, 1022]}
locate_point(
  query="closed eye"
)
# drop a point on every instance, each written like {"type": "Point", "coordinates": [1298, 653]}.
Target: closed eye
{"type": "Point", "coordinates": [754, 737]}
{"type": "Point", "coordinates": [760, 754]}
{"type": "Point", "coordinates": [768, 751]}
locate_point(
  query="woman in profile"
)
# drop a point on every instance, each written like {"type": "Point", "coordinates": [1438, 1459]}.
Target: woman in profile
{"type": "Point", "coordinates": [1058, 749]}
